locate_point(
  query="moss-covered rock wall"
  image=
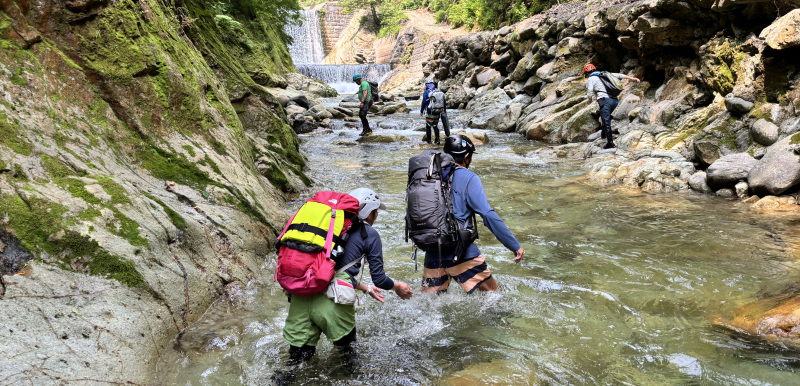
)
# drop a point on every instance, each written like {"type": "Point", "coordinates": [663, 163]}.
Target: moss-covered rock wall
{"type": "Point", "coordinates": [143, 167]}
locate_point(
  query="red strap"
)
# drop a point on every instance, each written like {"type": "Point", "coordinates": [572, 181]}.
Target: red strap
{"type": "Point", "coordinates": [286, 228]}
{"type": "Point", "coordinates": [329, 239]}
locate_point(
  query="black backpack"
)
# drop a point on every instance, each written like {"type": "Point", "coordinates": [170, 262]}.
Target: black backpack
{"type": "Point", "coordinates": [373, 86]}
{"type": "Point", "coordinates": [430, 221]}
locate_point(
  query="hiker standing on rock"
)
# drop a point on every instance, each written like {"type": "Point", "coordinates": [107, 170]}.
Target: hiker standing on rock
{"type": "Point", "coordinates": [365, 97]}
{"type": "Point", "coordinates": [309, 316]}
{"type": "Point", "coordinates": [605, 88]}
{"type": "Point", "coordinates": [468, 198]}
{"type": "Point", "coordinates": [434, 104]}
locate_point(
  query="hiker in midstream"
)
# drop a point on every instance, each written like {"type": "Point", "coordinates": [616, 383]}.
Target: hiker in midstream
{"type": "Point", "coordinates": [446, 227]}
{"type": "Point", "coordinates": [434, 106]}
{"type": "Point", "coordinates": [365, 99]}
{"type": "Point", "coordinates": [605, 88]}
{"type": "Point", "coordinates": [327, 313]}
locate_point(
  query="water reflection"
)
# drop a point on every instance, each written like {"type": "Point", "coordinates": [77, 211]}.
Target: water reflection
{"type": "Point", "coordinates": [618, 287]}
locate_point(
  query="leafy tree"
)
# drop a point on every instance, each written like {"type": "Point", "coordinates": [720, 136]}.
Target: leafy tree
{"type": "Point", "coordinates": [351, 5]}
{"type": "Point", "coordinates": [273, 12]}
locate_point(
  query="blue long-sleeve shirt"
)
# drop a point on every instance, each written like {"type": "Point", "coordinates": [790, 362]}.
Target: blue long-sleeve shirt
{"type": "Point", "coordinates": [425, 101]}
{"type": "Point", "coordinates": [468, 197]}
{"type": "Point", "coordinates": [370, 247]}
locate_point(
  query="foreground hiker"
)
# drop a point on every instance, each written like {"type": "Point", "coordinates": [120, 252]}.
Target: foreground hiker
{"type": "Point", "coordinates": [462, 262]}
{"type": "Point", "coordinates": [309, 316]}
{"type": "Point", "coordinates": [365, 98]}
{"type": "Point", "coordinates": [605, 88]}
{"type": "Point", "coordinates": [433, 107]}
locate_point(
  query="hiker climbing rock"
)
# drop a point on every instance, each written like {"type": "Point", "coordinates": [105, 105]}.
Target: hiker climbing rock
{"type": "Point", "coordinates": [366, 101]}
{"type": "Point", "coordinates": [450, 253]}
{"type": "Point", "coordinates": [434, 106]}
{"type": "Point", "coordinates": [332, 311]}
{"type": "Point", "coordinates": [605, 88]}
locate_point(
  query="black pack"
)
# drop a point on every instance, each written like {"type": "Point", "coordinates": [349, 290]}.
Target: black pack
{"type": "Point", "coordinates": [373, 86]}
{"type": "Point", "coordinates": [430, 221]}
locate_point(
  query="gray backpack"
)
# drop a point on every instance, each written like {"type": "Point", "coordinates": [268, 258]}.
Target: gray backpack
{"type": "Point", "coordinates": [436, 101]}
{"type": "Point", "coordinates": [430, 221]}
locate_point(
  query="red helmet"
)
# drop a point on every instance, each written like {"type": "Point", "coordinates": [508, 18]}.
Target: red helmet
{"type": "Point", "coordinates": [589, 68]}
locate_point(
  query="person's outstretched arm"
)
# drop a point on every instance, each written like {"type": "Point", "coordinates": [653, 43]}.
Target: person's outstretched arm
{"type": "Point", "coordinates": [476, 199]}
{"type": "Point", "coordinates": [374, 255]}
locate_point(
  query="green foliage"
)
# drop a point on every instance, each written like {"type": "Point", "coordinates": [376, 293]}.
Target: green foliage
{"type": "Point", "coordinates": [11, 136]}
{"type": "Point", "coordinates": [277, 13]}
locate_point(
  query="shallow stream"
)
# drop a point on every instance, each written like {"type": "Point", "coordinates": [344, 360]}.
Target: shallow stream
{"type": "Point", "coordinates": [617, 286]}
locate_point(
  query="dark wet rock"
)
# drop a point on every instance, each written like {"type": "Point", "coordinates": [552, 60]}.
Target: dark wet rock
{"type": "Point", "coordinates": [729, 170]}
{"type": "Point", "coordinates": [779, 169]}
{"type": "Point", "coordinates": [283, 100]}
{"type": "Point", "coordinates": [738, 105]}
{"type": "Point", "coordinates": [303, 101]}
{"type": "Point", "coordinates": [304, 126]}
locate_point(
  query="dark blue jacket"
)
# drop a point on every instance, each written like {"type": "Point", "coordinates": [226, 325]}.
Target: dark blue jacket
{"type": "Point", "coordinates": [370, 247]}
{"type": "Point", "coordinates": [468, 197]}
{"type": "Point", "coordinates": [425, 101]}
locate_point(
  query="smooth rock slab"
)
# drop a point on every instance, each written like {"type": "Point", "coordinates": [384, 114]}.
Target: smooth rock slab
{"type": "Point", "coordinates": [778, 170]}
{"type": "Point", "coordinates": [382, 138]}
{"type": "Point", "coordinates": [730, 169]}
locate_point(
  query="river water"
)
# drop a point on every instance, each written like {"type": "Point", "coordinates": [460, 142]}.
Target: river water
{"type": "Point", "coordinates": [617, 287]}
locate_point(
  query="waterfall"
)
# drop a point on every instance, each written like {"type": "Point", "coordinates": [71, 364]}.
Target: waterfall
{"type": "Point", "coordinates": [308, 53]}
{"type": "Point", "coordinates": [340, 77]}
{"type": "Point", "coordinates": [307, 46]}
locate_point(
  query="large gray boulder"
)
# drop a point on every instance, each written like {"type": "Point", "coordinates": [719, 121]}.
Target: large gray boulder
{"type": "Point", "coordinates": [509, 122]}
{"type": "Point", "coordinates": [784, 32]}
{"type": "Point", "coordinates": [488, 110]}
{"type": "Point", "coordinates": [698, 182]}
{"type": "Point", "coordinates": [764, 132]}
{"type": "Point", "coordinates": [778, 170]}
{"type": "Point", "coordinates": [729, 170]}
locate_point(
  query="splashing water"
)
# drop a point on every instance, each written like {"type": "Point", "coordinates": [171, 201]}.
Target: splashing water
{"type": "Point", "coordinates": [307, 46]}
{"type": "Point", "coordinates": [617, 286]}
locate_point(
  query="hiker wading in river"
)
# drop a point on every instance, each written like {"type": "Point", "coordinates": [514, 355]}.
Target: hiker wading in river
{"type": "Point", "coordinates": [469, 270]}
{"type": "Point", "coordinates": [309, 316]}
{"type": "Point", "coordinates": [365, 97]}
{"type": "Point", "coordinates": [605, 88]}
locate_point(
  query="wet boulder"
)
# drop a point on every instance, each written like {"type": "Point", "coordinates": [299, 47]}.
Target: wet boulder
{"type": "Point", "coordinates": [382, 138]}
{"type": "Point", "coordinates": [319, 112]}
{"type": "Point", "coordinates": [773, 204]}
{"type": "Point", "coordinates": [729, 170]}
{"type": "Point", "coordinates": [775, 319]}
{"type": "Point", "coordinates": [779, 169]}
{"type": "Point", "coordinates": [303, 101]}
{"type": "Point", "coordinates": [509, 122]}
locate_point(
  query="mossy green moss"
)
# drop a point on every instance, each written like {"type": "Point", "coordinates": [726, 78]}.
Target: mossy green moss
{"type": "Point", "coordinates": [37, 223]}
{"type": "Point", "coordinates": [278, 179]}
{"type": "Point", "coordinates": [175, 218]}
{"type": "Point", "coordinates": [189, 149]}
{"type": "Point", "coordinates": [795, 139]}
{"type": "Point", "coordinates": [168, 166]}
{"type": "Point", "coordinates": [11, 136]}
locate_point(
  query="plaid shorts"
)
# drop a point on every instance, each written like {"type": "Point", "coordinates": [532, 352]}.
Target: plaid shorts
{"type": "Point", "coordinates": [468, 273]}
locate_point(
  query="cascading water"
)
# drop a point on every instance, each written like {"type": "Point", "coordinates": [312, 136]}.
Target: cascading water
{"type": "Point", "coordinates": [340, 77]}
{"type": "Point", "coordinates": [308, 53]}
{"type": "Point", "coordinates": [307, 47]}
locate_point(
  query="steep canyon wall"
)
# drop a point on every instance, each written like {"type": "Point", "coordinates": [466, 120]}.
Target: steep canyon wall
{"type": "Point", "coordinates": [143, 171]}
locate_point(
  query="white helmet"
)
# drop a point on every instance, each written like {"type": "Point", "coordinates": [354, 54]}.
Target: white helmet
{"type": "Point", "coordinates": [368, 201]}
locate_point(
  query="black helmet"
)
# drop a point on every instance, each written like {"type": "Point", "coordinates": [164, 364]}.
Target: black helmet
{"type": "Point", "coordinates": [458, 144]}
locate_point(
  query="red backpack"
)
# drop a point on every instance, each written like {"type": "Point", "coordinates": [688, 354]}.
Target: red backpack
{"type": "Point", "coordinates": [304, 247]}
